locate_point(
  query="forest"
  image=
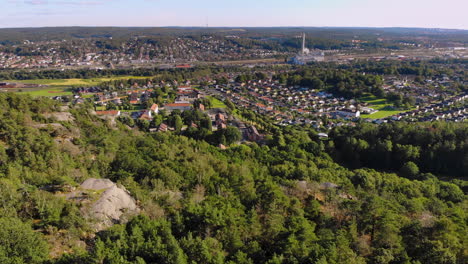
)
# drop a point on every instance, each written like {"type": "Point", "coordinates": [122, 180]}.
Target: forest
{"type": "Point", "coordinates": [165, 74]}
{"type": "Point", "coordinates": [398, 197]}
{"type": "Point", "coordinates": [440, 149]}
{"type": "Point", "coordinates": [323, 37]}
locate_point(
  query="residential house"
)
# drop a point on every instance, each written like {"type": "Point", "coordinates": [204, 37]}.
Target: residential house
{"type": "Point", "coordinates": [178, 106]}
{"type": "Point", "coordinates": [155, 109]}
{"type": "Point", "coordinates": [113, 113]}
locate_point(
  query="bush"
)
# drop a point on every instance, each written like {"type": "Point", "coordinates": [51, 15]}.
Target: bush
{"type": "Point", "coordinates": [409, 170]}
{"type": "Point", "coordinates": [19, 243]}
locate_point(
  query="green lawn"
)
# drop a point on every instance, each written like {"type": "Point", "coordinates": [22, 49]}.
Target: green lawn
{"type": "Point", "coordinates": [59, 82]}
{"type": "Point", "coordinates": [60, 87]}
{"type": "Point", "coordinates": [382, 113]}
{"type": "Point", "coordinates": [384, 109]}
{"type": "Point", "coordinates": [373, 100]}
{"type": "Point", "coordinates": [215, 103]}
{"type": "Point", "coordinates": [77, 82]}
{"type": "Point", "coordinates": [48, 92]}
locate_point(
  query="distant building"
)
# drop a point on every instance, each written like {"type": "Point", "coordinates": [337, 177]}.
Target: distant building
{"type": "Point", "coordinates": [183, 66]}
{"type": "Point", "coordinates": [155, 108]}
{"type": "Point", "coordinates": [163, 128]}
{"type": "Point", "coordinates": [221, 126]}
{"type": "Point", "coordinates": [220, 121]}
{"type": "Point", "coordinates": [220, 116]}
{"type": "Point", "coordinates": [189, 95]}
{"type": "Point", "coordinates": [306, 56]}
{"type": "Point", "coordinates": [108, 113]}
{"type": "Point", "coordinates": [187, 88]}
{"type": "Point", "coordinates": [323, 135]}
{"type": "Point", "coordinates": [178, 106]}
{"type": "Point", "coordinates": [347, 113]}
{"type": "Point", "coordinates": [146, 115]}
{"type": "Point", "coordinates": [368, 110]}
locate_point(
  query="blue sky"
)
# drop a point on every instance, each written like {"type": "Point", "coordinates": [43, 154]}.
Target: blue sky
{"type": "Point", "coordinates": [362, 13]}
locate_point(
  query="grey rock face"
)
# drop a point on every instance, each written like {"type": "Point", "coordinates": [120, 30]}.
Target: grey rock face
{"type": "Point", "coordinates": [113, 205]}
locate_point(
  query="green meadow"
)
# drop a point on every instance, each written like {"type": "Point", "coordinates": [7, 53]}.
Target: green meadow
{"type": "Point", "coordinates": [384, 108]}
{"type": "Point", "coordinates": [215, 103]}
{"type": "Point", "coordinates": [47, 92]}
{"type": "Point", "coordinates": [77, 82]}
{"type": "Point", "coordinates": [60, 87]}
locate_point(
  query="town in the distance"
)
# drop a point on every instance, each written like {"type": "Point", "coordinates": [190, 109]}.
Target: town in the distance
{"type": "Point", "coordinates": [232, 145]}
{"type": "Point", "coordinates": [289, 76]}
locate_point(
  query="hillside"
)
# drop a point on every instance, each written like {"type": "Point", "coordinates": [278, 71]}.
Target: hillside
{"type": "Point", "coordinates": [285, 201]}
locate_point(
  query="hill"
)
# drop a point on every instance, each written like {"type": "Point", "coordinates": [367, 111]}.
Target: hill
{"type": "Point", "coordinates": [285, 201]}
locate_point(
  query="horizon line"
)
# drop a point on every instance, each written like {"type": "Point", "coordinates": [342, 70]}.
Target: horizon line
{"type": "Point", "coordinates": [214, 27]}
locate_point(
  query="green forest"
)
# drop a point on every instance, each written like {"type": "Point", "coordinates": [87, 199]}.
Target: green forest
{"type": "Point", "coordinates": [394, 193]}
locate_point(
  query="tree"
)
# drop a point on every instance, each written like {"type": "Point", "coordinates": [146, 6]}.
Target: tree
{"type": "Point", "coordinates": [20, 244]}
{"type": "Point", "coordinates": [207, 251]}
{"type": "Point", "coordinates": [157, 120]}
{"type": "Point", "coordinates": [260, 75]}
{"type": "Point", "coordinates": [127, 120]}
{"type": "Point", "coordinates": [229, 104]}
{"type": "Point", "coordinates": [278, 139]}
{"type": "Point", "coordinates": [178, 123]}
{"type": "Point", "coordinates": [149, 103]}
{"type": "Point", "coordinates": [409, 170]}
{"type": "Point", "coordinates": [232, 134]}
{"type": "Point", "coordinates": [206, 123]}
{"type": "Point", "coordinates": [111, 106]}
{"type": "Point", "coordinates": [143, 124]}
{"type": "Point", "coordinates": [222, 80]}
{"type": "Point", "coordinates": [142, 238]}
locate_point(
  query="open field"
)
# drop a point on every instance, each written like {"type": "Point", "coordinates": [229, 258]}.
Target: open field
{"type": "Point", "coordinates": [383, 113]}
{"type": "Point", "coordinates": [76, 82]}
{"type": "Point", "coordinates": [384, 109]}
{"type": "Point", "coordinates": [55, 82]}
{"type": "Point", "coordinates": [215, 103]}
{"type": "Point", "coordinates": [61, 87]}
{"type": "Point", "coordinates": [47, 91]}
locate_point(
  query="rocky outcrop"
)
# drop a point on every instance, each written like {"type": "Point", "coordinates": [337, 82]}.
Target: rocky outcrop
{"type": "Point", "coordinates": [107, 203]}
{"type": "Point", "coordinates": [60, 116]}
{"type": "Point", "coordinates": [97, 184]}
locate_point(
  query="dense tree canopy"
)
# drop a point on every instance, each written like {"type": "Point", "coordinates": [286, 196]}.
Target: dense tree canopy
{"type": "Point", "coordinates": [286, 201]}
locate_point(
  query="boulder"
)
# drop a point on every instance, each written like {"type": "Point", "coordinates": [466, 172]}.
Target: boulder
{"type": "Point", "coordinates": [113, 203]}
{"type": "Point", "coordinates": [97, 184]}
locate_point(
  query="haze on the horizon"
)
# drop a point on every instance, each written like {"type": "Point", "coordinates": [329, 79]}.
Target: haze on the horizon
{"type": "Point", "coordinates": [235, 13]}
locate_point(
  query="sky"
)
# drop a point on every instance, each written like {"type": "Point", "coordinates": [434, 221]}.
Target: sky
{"type": "Point", "coordinates": [235, 13]}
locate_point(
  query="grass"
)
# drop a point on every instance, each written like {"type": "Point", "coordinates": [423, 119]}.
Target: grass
{"type": "Point", "coordinates": [384, 109]}
{"type": "Point", "coordinates": [215, 103]}
{"type": "Point", "coordinates": [48, 92]}
{"type": "Point", "coordinates": [61, 87]}
{"type": "Point", "coordinates": [77, 82]}
{"type": "Point", "coordinates": [54, 82]}
{"type": "Point", "coordinates": [382, 113]}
